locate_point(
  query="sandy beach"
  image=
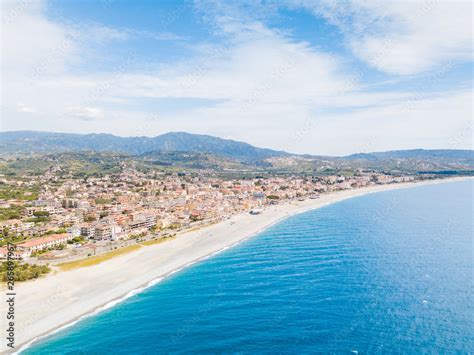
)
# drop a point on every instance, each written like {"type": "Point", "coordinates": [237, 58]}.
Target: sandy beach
{"type": "Point", "coordinates": [49, 303]}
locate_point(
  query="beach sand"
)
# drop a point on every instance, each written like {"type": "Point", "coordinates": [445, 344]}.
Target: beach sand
{"type": "Point", "coordinates": [49, 303]}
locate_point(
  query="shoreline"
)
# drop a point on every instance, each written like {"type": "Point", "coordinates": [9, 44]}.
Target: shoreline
{"type": "Point", "coordinates": [57, 301]}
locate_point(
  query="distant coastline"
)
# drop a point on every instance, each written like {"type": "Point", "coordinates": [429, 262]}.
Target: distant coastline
{"type": "Point", "coordinates": [56, 301]}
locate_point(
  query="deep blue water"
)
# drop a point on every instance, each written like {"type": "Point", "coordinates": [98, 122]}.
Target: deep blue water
{"type": "Point", "coordinates": [387, 272]}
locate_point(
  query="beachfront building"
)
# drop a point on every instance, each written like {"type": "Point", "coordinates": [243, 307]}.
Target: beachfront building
{"type": "Point", "coordinates": [103, 232]}
{"type": "Point", "coordinates": [43, 243]}
{"type": "Point", "coordinates": [87, 230]}
{"type": "Point", "coordinates": [16, 255]}
{"type": "Point", "coordinates": [143, 220]}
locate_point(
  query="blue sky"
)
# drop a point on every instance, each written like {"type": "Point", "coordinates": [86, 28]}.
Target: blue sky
{"type": "Point", "coordinates": [320, 77]}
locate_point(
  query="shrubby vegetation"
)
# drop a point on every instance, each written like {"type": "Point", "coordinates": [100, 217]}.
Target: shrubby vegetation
{"type": "Point", "coordinates": [45, 250]}
{"type": "Point", "coordinates": [38, 219]}
{"type": "Point", "coordinates": [57, 231]}
{"type": "Point", "coordinates": [23, 272]}
{"type": "Point", "coordinates": [6, 238]}
{"type": "Point", "coordinates": [76, 240]}
{"type": "Point", "coordinates": [41, 213]}
{"type": "Point", "coordinates": [13, 212]}
{"type": "Point", "coordinates": [89, 218]}
{"type": "Point", "coordinates": [8, 192]}
{"type": "Point", "coordinates": [175, 225]}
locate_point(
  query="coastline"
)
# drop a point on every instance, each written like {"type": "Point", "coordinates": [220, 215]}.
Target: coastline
{"type": "Point", "coordinates": [51, 303]}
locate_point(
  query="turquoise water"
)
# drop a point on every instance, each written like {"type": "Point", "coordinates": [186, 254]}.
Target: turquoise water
{"type": "Point", "coordinates": [387, 272]}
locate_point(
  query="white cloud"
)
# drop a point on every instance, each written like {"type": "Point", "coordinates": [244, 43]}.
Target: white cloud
{"type": "Point", "coordinates": [85, 113]}
{"type": "Point", "coordinates": [96, 32]}
{"type": "Point", "coordinates": [263, 70]}
{"type": "Point", "coordinates": [32, 46]}
{"type": "Point", "coordinates": [263, 87]}
{"type": "Point", "coordinates": [432, 123]}
{"type": "Point", "coordinates": [25, 109]}
{"type": "Point", "coordinates": [402, 37]}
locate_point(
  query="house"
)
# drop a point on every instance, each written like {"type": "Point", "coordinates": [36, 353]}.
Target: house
{"type": "Point", "coordinates": [75, 231]}
{"type": "Point", "coordinates": [13, 226]}
{"type": "Point", "coordinates": [17, 254]}
{"type": "Point", "coordinates": [43, 243]}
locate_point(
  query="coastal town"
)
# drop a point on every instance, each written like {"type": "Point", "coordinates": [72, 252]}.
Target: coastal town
{"type": "Point", "coordinates": [55, 219]}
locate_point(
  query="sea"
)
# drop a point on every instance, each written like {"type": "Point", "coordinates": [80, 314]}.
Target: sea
{"type": "Point", "coordinates": [389, 272]}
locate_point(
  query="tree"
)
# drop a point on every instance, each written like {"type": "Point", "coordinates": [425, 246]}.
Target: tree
{"type": "Point", "coordinates": [41, 213]}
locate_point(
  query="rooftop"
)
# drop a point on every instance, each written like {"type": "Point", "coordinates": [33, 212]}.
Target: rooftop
{"type": "Point", "coordinates": [39, 241]}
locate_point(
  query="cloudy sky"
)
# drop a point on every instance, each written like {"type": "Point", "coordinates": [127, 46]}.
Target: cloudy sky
{"type": "Point", "coordinates": [320, 77]}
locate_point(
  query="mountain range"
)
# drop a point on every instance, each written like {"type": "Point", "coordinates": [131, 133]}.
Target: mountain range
{"type": "Point", "coordinates": [48, 142]}
{"type": "Point", "coordinates": [35, 142]}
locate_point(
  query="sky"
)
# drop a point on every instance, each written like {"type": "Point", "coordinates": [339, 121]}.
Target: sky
{"type": "Point", "coordinates": [317, 77]}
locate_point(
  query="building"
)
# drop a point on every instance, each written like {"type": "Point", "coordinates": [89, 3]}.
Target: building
{"type": "Point", "coordinates": [74, 231]}
{"type": "Point", "coordinates": [88, 231]}
{"type": "Point", "coordinates": [43, 243]}
{"type": "Point", "coordinates": [140, 220]}
{"type": "Point", "coordinates": [16, 255]}
{"type": "Point", "coordinates": [103, 232]}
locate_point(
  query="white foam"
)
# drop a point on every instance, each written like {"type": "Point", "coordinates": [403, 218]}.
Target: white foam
{"type": "Point", "coordinates": [98, 310]}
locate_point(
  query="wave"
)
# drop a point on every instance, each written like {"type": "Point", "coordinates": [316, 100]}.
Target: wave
{"type": "Point", "coordinates": [98, 310]}
{"type": "Point", "coordinates": [117, 301]}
